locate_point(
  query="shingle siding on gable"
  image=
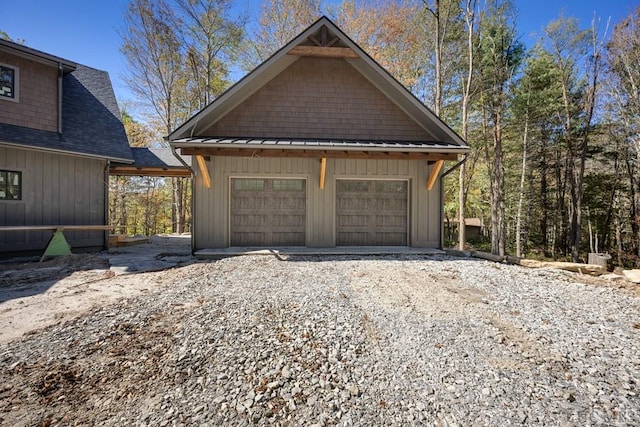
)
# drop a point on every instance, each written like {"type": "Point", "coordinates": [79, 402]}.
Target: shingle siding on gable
{"type": "Point", "coordinates": [38, 106]}
{"type": "Point", "coordinates": [319, 98]}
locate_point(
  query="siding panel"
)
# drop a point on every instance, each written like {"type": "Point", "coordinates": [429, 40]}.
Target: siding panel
{"type": "Point", "coordinates": [212, 205]}
{"type": "Point", "coordinates": [57, 190]}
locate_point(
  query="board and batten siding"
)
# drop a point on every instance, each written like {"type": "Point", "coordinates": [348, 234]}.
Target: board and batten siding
{"type": "Point", "coordinates": [56, 190]}
{"type": "Point", "coordinates": [212, 205]}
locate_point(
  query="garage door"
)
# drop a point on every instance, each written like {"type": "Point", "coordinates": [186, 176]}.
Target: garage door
{"type": "Point", "coordinates": [268, 212]}
{"type": "Point", "coordinates": [371, 213]}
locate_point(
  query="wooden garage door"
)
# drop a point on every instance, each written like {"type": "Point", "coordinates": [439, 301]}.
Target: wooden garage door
{"type": "Point", "coordinates": [268, 212]}
{"type": "Point", "coordinates": [371, 213]}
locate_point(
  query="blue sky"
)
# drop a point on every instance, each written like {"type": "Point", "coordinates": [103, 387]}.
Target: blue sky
{"type": "Point", "coordinates": [87, 32]}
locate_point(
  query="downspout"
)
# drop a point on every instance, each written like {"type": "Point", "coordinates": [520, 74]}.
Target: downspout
{"type": "Point", "coordinates": [106, 203]}
{"type": "Point", "coordinates": [60, 74]}
{"type": "Point", "coordinates": [445, 173]}
{"type": "Point", "coordinates": [193, 199]}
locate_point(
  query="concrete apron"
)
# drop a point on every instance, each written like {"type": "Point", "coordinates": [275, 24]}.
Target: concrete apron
{"type": "Point", "coordinates": [304, 251]}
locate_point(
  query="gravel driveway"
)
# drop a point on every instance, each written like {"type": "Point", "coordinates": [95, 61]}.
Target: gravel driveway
{"type": "Point", "coordinates": [258, 340]}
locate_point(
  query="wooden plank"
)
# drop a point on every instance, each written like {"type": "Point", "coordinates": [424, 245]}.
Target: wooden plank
{"type": "Point", "coordinates": [434, 174]}
{"type": "Point", "coordinates": [304, 153]}
{"type": "Point", "coordinates": [134, 171]}
{"type": "Point", "coordinates": [324, 52]}
{"type": "Point", "coordinates": [323, 170]}
{"type": "Point", "coordinates": [591, 269]}
{"type": "Point", "coordinates": [204, 171]}
{"type": "Point", "coordinates": [55, 227]}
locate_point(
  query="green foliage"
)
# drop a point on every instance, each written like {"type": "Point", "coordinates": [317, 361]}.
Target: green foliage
{"type": "Point", "coordinates": [181, 53]}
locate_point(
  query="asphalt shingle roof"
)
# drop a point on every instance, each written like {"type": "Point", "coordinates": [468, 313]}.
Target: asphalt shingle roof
{"type": "Point", "coordinates": [91, 122]}
{"type": "Point", "coordinates": [157, 158]}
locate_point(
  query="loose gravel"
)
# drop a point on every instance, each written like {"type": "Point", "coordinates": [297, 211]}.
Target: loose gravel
{"type": "Point", "coordinates": [320, 341]}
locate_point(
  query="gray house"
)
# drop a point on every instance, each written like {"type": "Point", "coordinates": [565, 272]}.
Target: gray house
{"type": "Point", "coordinates": [60, 129]}
{"type": "Point", "coordinates": [319, 146]}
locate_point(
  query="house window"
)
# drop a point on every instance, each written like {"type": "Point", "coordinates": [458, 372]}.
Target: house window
{"type": "Point", "coordinates": [10, 185]}
{"type": "Point", "coordinates": [287, 185]}
{"type": "Point", "coordinates": [8, 82]}
{"type": "Point", "coordinates": [249, 184]}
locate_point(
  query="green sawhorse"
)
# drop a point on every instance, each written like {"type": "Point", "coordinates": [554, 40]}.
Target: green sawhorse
{"type": "Point", "coordinates": [57, 245]}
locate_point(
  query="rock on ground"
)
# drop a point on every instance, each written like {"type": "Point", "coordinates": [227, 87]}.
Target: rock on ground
{"type": "Point", "coordinates": [632, 275]}
{"type": "Point", "coordinates": [337, 341]}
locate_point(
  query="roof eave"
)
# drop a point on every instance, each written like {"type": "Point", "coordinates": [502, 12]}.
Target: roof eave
{"type": "Point", "coordinates": [67, 152]}
{"type": "Point", "coordinates": [443, 150]}
{"type": "Point", "coordinates": [42, 57]}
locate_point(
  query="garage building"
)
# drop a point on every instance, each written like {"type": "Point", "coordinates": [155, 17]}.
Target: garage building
{"type": "Point", "coordinates": [320, 147]}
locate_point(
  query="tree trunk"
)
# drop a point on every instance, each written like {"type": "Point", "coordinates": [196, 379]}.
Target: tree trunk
{"type": "Point", "coordinates": [527, 224]}
{"type": "Point", "coordinates": [466, 90]}
{"type": "Point", "coordinates": [178, 205]}
{"type": "Point", "coordinates": [497, 210]}
{"type": "Point", "coordinates": [497, 191]}
{"type": "Point", "coordinates": [462, 229]}
{"type": "Point", "coordinates": [436, 11]}
{"type": "Point", "coordinates": [122, 204]}
{"type": "Point", "coordinates": [544, 197]}
{"type": "Point", "coordinates": [438, 55]}
{"type": "Point", "coordinates": [522, 181]}
{"type": "Point", "coordinates": [636, 219]}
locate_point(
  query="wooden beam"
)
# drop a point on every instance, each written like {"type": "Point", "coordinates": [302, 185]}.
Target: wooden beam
{"type": "Point", "coordinates": [315, 154]}
{"type": "Point", "coordinates": [434, 174]}
{"type": "Point", "coordinates": [315, 41]}
{"type": "Point", "coordinates": [323, 169]}
{"type": "Point", "coordinates": [324, 35]}
{"type": "Point", "coordinates": [206, 179]}
{"type": "Point", "coordinates": [144, 171]}
{"type": "Point", "coordinates": [324, 52]}
{"type": "Point", "coordinates": [57, 227]}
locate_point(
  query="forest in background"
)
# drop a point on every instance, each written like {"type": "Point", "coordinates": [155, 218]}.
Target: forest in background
{"type": "Point", "coordinates": [554, 167]}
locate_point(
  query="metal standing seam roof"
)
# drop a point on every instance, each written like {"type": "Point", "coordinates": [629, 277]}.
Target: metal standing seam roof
{"type": "Point", "coordinates": [366, 65]}
{"type": "Point", "coordinates": [320, 144]}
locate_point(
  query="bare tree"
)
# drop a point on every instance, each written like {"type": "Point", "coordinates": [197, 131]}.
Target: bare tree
{"type": "Point", "coordinates": [470, 21]}
{"type": "Point", "coordinates": [280, 21]}
{"type": "Point", "coordinates": [442, 12]}
{"type": "Point", "coordinates": [623, 53]}
{"type": "Point", "coordinates": [211, 38]}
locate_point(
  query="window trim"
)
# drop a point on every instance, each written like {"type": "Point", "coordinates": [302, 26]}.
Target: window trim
{"type": "Point", "coordinates": [19, 173]}
{"type": "Point", "coordinates": [16, 83]}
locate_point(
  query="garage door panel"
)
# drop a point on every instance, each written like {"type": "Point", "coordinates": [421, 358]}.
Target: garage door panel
{"type": "Point", "coordinates": [268, 212]}
{"type": "Point", "coordinates": [371, 213]}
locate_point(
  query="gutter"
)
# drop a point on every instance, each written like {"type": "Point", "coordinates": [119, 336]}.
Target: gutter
{"type": "Point", "coordinates": [444, 174]}
{"type": "Point", "coordinates": [454, 167]}
{"type": "Point", "coordinates": [193, 199]}
{"type": "Point", "coordinates": [65, 152]}
{"type": "Point", "coordinates": [333, 147]}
